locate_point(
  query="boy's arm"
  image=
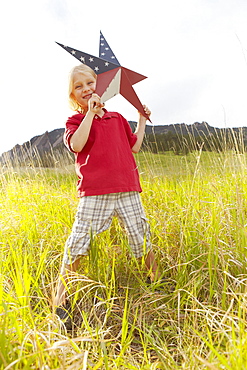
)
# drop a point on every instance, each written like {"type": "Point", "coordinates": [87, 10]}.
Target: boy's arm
{"type": "Point", "coordinates": [80, 137]}
{"type": "Point", "coordinates": [140, 130]}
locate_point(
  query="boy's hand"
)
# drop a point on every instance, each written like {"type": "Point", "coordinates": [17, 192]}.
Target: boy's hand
{"type": "Point", "coordinates": [94, 104]}
{"type": "Point", "coordinates": [147, 111]}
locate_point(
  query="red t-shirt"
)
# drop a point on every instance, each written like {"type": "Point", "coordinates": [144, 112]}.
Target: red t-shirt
{"type": "Point", "coordinates": [106, 163]}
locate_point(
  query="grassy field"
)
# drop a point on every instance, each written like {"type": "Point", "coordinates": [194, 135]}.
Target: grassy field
{"type": "Point", "coordinates": [196, 205]}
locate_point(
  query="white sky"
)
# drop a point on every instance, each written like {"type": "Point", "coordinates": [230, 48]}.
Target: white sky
{"type": "Point", "coordinates": [194, 53]}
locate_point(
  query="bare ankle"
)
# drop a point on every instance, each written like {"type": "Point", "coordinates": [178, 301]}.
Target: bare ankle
{"type": "Point", "coordinates": [60, 300]}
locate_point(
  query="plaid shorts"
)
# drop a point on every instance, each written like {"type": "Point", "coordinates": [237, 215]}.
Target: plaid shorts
{"type": "Point", "coordinates": [94, 215]}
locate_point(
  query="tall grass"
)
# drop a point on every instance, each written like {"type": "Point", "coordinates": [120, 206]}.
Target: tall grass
{"type": "Point", "coordinates": [196, 205]}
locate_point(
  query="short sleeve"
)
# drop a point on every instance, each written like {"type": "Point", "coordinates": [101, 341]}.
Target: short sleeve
{"type": "Point", "coordinates": [71, 126]}
{"type": "Point", "coordinates": [130, 135]}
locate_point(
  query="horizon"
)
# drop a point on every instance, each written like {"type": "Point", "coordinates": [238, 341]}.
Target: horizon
{"type": "Point", "coordinates": [148, 124]}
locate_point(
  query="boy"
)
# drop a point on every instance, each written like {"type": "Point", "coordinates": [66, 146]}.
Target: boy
{"type": "Point", "coordinates": [108, 179]}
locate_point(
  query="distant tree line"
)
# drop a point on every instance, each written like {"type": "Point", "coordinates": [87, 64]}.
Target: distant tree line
{"type": "Point", "coordinates": [183, 144]}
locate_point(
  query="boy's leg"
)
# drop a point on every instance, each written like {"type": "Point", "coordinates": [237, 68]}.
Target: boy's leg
{"type": "Point", "coordinates": [60, 298]}
{"type": "Point", "coordinates": [94, 215]}
{"type": "Point", "coordinates": [152, 266]}
{"type": "Point", "coordinates": [132, 215]}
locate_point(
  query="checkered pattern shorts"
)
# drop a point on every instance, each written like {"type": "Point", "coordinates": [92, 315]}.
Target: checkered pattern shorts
{"type": "Point", "coordinates": [94, 215]}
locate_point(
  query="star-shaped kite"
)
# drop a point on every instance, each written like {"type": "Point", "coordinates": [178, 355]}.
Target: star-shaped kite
{"type": "Point", "coordinates": [112, 78]}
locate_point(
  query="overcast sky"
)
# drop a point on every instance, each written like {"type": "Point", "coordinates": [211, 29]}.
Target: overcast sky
{"type": "Point", "coordinates": [193, 52]}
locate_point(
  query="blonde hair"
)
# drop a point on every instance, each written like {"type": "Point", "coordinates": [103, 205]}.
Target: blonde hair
{"type": "Point", "coordinates": [82, 68]}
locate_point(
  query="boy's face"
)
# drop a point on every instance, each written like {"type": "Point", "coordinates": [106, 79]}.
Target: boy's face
{"type": "Point", "coordinates": [84, 85]}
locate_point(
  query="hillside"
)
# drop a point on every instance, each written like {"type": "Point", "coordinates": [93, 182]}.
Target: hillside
{"type": "Point", "coordinates": [48, 148]}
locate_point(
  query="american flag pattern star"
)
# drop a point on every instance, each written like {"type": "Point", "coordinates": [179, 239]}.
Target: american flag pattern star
{"type": "Point", "coordinates": [99, 65]}
{"type": "Point", "coordinates": [112, 78]}
{"type": "Point", "coordinates": [105, 52]}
